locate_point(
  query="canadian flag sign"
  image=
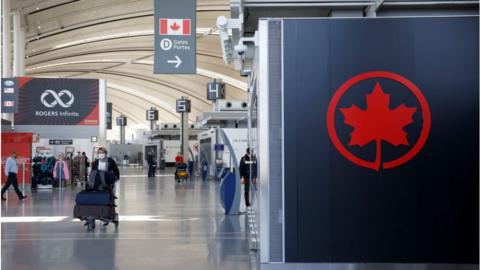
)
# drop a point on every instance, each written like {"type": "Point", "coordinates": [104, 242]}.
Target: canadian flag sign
{"type": "Point", "coordinates": [8, 103]}
{"type": "Point", "coordinates": [175, 27]}
{"type": "Point", "coordinates": [175, 41]}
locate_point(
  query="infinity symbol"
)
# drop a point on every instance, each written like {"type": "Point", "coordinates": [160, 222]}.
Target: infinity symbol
{"type": "Point", "coordinates": [57, 98]}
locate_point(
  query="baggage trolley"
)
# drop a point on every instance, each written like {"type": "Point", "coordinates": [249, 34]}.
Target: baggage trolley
{"type": "Point", "coordinates": [95, 205]}
{"type": "Point", "coordinates": [181, 173]}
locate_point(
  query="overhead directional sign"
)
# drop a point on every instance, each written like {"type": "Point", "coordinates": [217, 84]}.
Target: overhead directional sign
{"type": "Point", "coordinates": [177, 61]}
{"type": "Point", "coordinates": [60, 142]}
{"type": "Point", "coordinates": [175, 41]}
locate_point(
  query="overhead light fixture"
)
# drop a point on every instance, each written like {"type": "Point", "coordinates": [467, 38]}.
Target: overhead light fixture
{"type": "Point", "coordinates": [74, 62]}
{"type": "Point", "coordinates": [165, 105]}
{"type": "Point", "coordinates": [207, 73]}
{"type": "Point", "coordinates": [200, 30]}
{"type": "Point", "coordinates": [105, 37]}
{"type": "Point", "coordinates": [227, 79]}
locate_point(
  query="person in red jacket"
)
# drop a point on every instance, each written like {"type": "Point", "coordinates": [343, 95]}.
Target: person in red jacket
{"type": "Point", "coordinates": [179, 158]}
{"type": "Point", "coordinates": [179, 164]}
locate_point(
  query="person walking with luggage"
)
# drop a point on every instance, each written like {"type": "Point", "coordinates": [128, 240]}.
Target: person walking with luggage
{"type": "Point", "coordinates": [247, 168]}
{"type": "Point", "coordinates": [151, 164]}
{"type": "Point", "coordinates": [179, 165]}
{"type": "Point", "coordinates": [105, 164]}
{"type": "Point", "coordinates": [87, 164]}
{"type": "Point", "coordinates": [11, 171]}
{"type": "Point", "coordinates": [179, 158]}
{"type": "Point", "coordinates": [109, 167]}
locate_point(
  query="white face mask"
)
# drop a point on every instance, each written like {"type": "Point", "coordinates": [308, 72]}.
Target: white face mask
{"type": "Point", "coordinates": [101, 156]}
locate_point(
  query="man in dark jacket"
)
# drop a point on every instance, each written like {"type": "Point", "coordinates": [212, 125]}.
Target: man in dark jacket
{"type": "Point", "coordinates": [247, 170]}
{"type": "Point", "coordinates": [86, 163]}
{"type": "Point", "coordinates": [151, 164]}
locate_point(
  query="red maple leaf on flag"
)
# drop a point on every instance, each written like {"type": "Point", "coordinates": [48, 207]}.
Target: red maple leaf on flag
{"type": "Point", "coordinates": [378, 122]}
{"type": "Point", "coordinates": [175, 26]}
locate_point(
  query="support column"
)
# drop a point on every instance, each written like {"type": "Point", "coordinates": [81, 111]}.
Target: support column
{"type": "Point", "coordinates": [18, 46]}
{"type": "Point", "coordinates": [6, 45]}
{"type": "Point", "coordinates": [122, 134]}
{"type": "Point", "coordinates": [18, 53]}
{"type": "Point", "coordinates": [152, 125]}
{"type": "Point", "coordinates": [102, 99]}
{"type": "Point", "coordinates": [183, 108]}
{"type": "Point", "coordinates": [121, 123]}
{"type": "Point", "coordinates": [184, 135]}
{"type": "Point", "coordinates": [6, 40]}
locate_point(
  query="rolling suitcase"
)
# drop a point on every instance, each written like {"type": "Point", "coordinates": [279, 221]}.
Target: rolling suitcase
{"type": "Point", "coordinates": [94, 211]}
{"type": "Point", "coordinates": [94, 198]}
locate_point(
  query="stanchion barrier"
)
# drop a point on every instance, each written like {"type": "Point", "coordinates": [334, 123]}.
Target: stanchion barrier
{"type": "Point", "coordinates": [23, 176]}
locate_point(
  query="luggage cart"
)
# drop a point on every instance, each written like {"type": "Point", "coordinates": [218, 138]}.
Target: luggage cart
{"type": "Point", "coordinates": [181, 173]}
{"type": "Point", "coordinates": [93, 205]}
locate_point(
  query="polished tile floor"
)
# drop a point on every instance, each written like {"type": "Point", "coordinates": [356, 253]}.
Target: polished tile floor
{"type": "Point", "coordinates": [163, 225]}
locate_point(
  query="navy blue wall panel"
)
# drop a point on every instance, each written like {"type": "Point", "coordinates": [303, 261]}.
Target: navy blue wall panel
{"type": "Point", "coordinates": [424, 210]}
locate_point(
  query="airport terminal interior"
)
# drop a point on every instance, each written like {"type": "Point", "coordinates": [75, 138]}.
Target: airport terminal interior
{"type": "Point", "coordinates": [240, 134]}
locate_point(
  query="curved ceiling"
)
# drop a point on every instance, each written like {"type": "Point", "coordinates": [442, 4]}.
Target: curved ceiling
{"type": "Point", "coordinates": [113, 40]}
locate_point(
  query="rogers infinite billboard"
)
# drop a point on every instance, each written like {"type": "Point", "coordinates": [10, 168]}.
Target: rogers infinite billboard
{"type": "Point", "coordinates": [52, 101]}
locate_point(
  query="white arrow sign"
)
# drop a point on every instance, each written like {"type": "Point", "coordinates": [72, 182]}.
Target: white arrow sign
{"type": "Point", "coordinates": [178, 61]}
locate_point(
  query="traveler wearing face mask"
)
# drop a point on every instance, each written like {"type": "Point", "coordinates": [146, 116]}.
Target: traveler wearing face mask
{"type": "Point", "coordinates": [105, 173]}
{"type": "Point", "coordinates": [11, 170]}
{"type": "Point", "coordinates": [104, 163]}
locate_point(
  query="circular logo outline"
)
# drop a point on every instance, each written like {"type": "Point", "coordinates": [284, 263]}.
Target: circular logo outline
{"type": "Point", "coordinates": [426, 114]}
{"type": "Point", "coordinates": [168, 46]}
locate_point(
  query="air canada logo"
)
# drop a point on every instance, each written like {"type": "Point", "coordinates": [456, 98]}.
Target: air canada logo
{"type": "Point", "coordinates": [378, 122]}
{"type": "Point", "coordinates": [50, 98]}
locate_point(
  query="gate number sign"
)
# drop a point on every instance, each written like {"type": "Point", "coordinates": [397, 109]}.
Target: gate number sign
{"type": "Point", "coordinates": [183, 105]}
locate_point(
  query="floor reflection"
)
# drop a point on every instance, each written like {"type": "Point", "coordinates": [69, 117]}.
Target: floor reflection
{"type": "Point", "coordinates": [165, 225]}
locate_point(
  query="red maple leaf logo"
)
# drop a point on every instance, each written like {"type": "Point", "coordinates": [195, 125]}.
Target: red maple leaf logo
{"type": "Point", "coordinates": [175, 26]}
{"type": "Point", "coordinates": [378, 122]}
